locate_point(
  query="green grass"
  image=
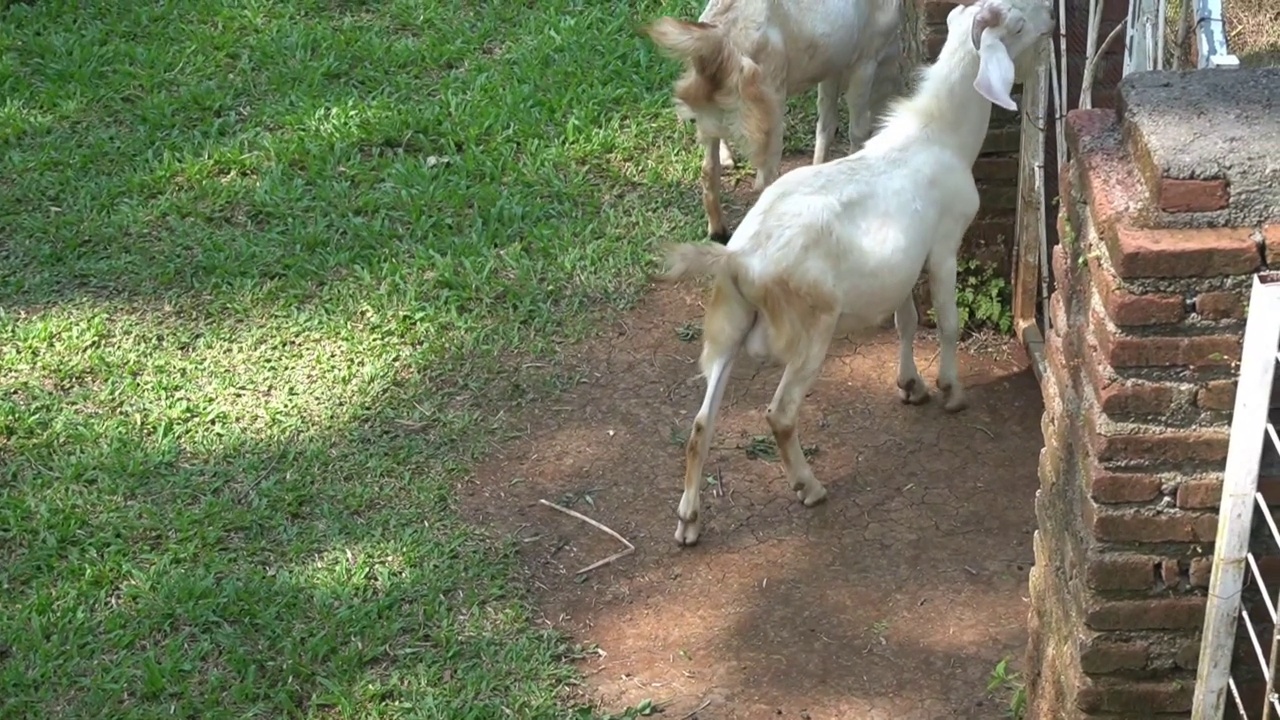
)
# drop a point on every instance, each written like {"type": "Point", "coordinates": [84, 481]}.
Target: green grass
{"type": "Point", "coordinates": [263, 268]}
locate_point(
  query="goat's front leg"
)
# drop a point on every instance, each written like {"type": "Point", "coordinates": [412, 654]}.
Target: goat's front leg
{"type": "Point", "coordinates": [711, 190]}
{"type": "Point", "coordinates": [942, 286]}
{"type": "Point", "coordinates": [828, 117]}
{"type": "Point", "coordinates": [911, 387]}
{"type": "Point", "coordinates": [726, 155]}
{"type": "Point", "coordinates": [857, 96]}
{"type": "Point", "coordinates": [770, 166]}
{"type": "Point", "coordinates": [783, 411]}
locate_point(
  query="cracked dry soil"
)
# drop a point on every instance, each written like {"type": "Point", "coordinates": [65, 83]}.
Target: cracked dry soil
{"type": "Point", "coordinates": [893, 600]}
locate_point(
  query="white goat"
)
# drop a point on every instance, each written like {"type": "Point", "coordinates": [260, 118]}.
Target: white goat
{"type": "Point", "coordinates": [840, 245]}
{"type": "Point", "coordinates": [744, 58]}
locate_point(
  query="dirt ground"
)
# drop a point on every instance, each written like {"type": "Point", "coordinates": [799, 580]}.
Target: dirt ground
{"type": "Point", "coordinates": [893, 600]}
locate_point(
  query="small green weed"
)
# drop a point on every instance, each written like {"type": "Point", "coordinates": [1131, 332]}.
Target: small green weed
{"type": "Point", "coordinates": [763, 447]}
{"type": "Point", "coordinates": [984, 299]}
{"type": "Point", "coordinates": [1005, 682]}
{"type": "Point", "coordinates": [689, 332]}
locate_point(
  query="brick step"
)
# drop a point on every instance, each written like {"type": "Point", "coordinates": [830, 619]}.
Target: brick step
{"type": "Point", "coordinates": [1190, 180]}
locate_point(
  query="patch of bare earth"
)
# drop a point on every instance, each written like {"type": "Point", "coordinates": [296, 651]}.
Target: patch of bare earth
{"type": "Point", "coordinates": [892, 600]}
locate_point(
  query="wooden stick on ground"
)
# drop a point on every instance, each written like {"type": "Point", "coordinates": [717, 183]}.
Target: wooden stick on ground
{"type": "Point", "coordinates": [573, 513]}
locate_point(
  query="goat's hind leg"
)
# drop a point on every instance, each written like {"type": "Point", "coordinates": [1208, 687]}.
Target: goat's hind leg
{"type": "Point", "coordinates": [797, 378]}
{"type": "Point", "coordinates": [726, 326]}
{"type": "Point", "coordinates": [911, 387]}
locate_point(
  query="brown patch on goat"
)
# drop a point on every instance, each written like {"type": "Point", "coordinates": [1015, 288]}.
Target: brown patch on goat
{"type": "Point", "coordinates": [760, 114]}
{"type": "Point", "coordinates": [791, 312]}
{"type": "Point", "coordinates": [712, 62]}
{"type": "Point", "coordinates": [687, 261]}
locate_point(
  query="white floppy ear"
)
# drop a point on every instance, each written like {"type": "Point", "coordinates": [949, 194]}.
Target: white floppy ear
{"type": "Point", "coordinates": [995, 71]}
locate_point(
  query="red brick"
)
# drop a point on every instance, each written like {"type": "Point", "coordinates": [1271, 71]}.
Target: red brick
{"type": "Point", "coordinates": [1121, 572]}
{"type": "Point", "coordinates": [1106, 175]}
{"type": "Point", "coordinates": [1158, 309]}
{"type": "Point", "coordinates": [1182, 253]}
{"type": "Point", "coordinates": [1201, 568]}
{"type": "Point", "coordinates": [1188, 655]}
{"type": "Point", "coordinates": [1170, 573]}
{"type": "Point", "coordinates": [1099, 656]}
{"type": "Point", "coordinates": [1118, 397]}
{"type": "Point", "coordinates": [1126, 308]}
{"type": "Point", "coordinates": [1200, 494]}
{"type": "Point", "coordinates": [1107, 487]}
{"type": "Point", "coordinates": [1179, 196]}
{"type": "Point", "coordinates": [1271, 240]}
{"type": "Point", "coordinates": [1058, 313]}
{"type": "Point", "coordinates": [996, 168]}
{"type": "Point", "coordinates": [1220, 306]}
{"type": "Point", "coordinates": [994, 231]}
{"type": "Point", "coordinates": [1154, 527]}
{"type": "Point", "coordinates": [998, 195]}
{"type": "Point", "coordinates": [1135, 397]}
{"type": "Point", "coordinates": [1165, 613]}
{"type": "Point", "coordinates": [933, 45]}
{"type": "Point", "coordinates": [936, 12]}
{"type": "Point", "coordinates": [1217, 395]}
{"type": "Point", "coordinates": [1066, 186]}
{"type": "Point", "coordinates": [1127, 351]}
{"type": "Point", "coordinates": [1004, 140]}
{"type": "Point", "coordinates": [1203, 446]}
{"type": "Point", "coordinates": [1061, 275]}
{"type": "Point", "coordinates": [1202, 351]}
{"type": "Point", "coordinates": [1131, 699]}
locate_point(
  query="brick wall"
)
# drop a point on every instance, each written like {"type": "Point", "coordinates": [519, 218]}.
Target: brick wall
{"type": "Point", "coordinates": [1152, 273]}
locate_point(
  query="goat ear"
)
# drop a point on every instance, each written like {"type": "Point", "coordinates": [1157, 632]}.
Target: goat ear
{"type": "Point", "coordinates": [995, 71]}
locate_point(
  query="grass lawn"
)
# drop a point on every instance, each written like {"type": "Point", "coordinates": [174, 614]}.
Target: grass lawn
{"type": "Point", "coordinates": [263, 264]}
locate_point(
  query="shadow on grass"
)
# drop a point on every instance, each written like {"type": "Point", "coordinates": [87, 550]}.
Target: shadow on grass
{"type": "Point", "coordinates": [263, 271]}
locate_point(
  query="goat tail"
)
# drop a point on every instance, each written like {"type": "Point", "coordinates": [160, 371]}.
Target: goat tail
{"type": "Point", "coordinates": [687, 261]}
{"type": "Point", "coordinates": [698, 43]}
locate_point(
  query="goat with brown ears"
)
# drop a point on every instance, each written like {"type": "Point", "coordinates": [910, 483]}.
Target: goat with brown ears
{"type": "Point", "coordinates": [744, 58]}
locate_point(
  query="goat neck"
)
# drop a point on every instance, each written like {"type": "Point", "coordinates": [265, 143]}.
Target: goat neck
{"type": "Point", "coordinates": [945, 108]}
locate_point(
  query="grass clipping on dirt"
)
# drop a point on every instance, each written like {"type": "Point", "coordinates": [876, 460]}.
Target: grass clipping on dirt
{"type": "Point", "coordinates": [1253, 31]}
{"type": "Point", "coordinates": [260, 266]}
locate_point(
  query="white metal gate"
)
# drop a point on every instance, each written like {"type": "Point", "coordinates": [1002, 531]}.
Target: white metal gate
{"type": "Point", "coordinates": [1253, 425]}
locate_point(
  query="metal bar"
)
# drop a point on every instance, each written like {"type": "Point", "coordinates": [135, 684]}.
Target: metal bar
{"type": "Point", "coordinates": [1275, 441]}
{"type": "Point", "coordinates": [1160, 33]}
{"type": "Point", "coordinates": [1231, 683]}
{"type": "Point", "coordinates": [1266, 514]}
{"type": "Point", "coordinates": [1257, 645]}
{"type": "Point", "coordinates": [1271, 672]}
{"type": "Point", "coordinates": [1211, 36]}
{"type": "Point", "coordinates": [1240, 484]}
{"type": "Point", "coordinates": [1262, 586]}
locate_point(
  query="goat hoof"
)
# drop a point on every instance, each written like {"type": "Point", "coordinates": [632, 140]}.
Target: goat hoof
{"type": "Point", "coordinates": [687, 533]}
{"type": "Point", "coordinates": [956, 400]}
{"type": "Point", "coordinates": [721, 236]}
{"type": "Point", "coordinates": [913, 391]}
{"type": "Point", "coordinates": [812, 494]}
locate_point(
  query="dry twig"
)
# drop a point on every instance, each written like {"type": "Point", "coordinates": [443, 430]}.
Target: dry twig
{"type": "Point", "coordinates": [573, 513]}
{"type": "Point", "coordinates": [700, 708]}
